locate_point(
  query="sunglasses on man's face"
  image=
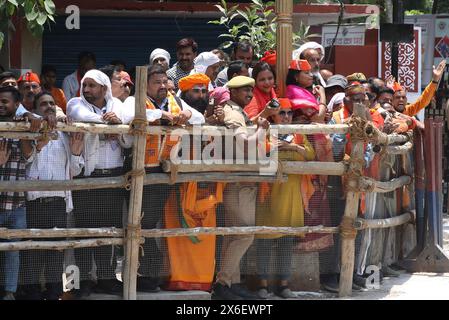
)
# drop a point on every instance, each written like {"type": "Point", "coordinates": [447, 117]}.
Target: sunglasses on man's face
{"type": "Point", "coordinates": [204, 91]}
{"type": "Point", "coordinates": [286, 113]}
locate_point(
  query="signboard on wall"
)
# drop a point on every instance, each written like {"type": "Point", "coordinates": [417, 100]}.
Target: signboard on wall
{"type": "Point", "coordinates": [348, 35]}
{"type": "Point", "coordinates": [441, 40]}
{"type": "Point", "coordinates": [409, 66]}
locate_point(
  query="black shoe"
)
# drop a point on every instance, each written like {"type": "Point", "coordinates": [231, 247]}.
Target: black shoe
{"type": "Point", "coordinates": [330, 283]}
{"type": "Point", "coordinates": [86, 287]}
{"type": "Point", "coordinates": [109, 286]}
{"type": "Point", "coordinates": [222, 292]}
{"type": "Point", "coordinates": [147, 284]}
{"type": "Point", "coordinates": [359, 281]}
{"type": "Point", "coordinates": [240, 290]}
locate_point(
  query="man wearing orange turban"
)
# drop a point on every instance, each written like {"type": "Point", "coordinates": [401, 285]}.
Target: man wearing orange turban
{"type": "Point", "coordinates": [192, 259]}
{"type": "Point", "coordinates": [194, 91]}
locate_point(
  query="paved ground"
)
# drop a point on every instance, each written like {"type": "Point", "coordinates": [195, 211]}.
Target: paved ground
{"type": "Point", "coordinates": [420, 286]}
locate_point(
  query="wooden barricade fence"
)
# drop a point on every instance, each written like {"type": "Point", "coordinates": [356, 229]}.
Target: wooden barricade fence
{"type": "Point", "coordinates": [132, 236]}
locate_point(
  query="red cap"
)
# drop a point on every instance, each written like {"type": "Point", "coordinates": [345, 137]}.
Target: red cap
{"type": "Point", "coordinates": [300, 65]}
{"type": "Point", "coordinates": [269, 57]}
{"type": "Point", "coordinates": [285, 103]}
{"type": "Point", "coordinates": [29, 77]}
{"type": "Point", "coordinates": [397, 87]}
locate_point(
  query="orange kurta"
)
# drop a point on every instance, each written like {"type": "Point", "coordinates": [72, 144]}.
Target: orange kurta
{"type": "Point", "coordinates": [59, 97]}
{"type": "Point", "coordinates": [424, 100]}
{"type": "Point", "coordinates": [192, 259]}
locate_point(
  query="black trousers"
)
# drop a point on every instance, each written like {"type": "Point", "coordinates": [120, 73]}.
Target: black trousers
{"type": "Point", "coordinates": [153, 203]}
{"type": "Point", "coordinates": [95, 209]}
{"type": "Point", "coordinates": [45, 215]}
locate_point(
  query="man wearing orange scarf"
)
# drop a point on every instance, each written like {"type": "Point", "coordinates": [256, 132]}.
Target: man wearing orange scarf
{"type": "Point", "coordinates": [193, 204]}
{"type": "Point", "coordinates": [162, 109]}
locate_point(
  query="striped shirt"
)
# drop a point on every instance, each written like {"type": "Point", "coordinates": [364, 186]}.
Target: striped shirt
{"type": "Point", "coordinates": [176, 73]}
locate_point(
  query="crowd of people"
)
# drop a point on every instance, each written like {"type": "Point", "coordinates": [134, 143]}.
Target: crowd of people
{"type": "Point", "coordinates": [200, 88]}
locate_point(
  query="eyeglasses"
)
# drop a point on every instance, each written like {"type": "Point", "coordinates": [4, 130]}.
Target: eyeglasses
{"type": "Point", "coordinates": [371, 96]}
{"type": "Point", "coordinates": [287, 113]}
{"type": "Point", "coordinates": [204, 91]}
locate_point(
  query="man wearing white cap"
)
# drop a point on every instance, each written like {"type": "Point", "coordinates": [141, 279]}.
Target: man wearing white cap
{"type": "Point", "coordinates": [160, 56]}
{"type": "Point", "coordinates": [313, 52]}
{"type": "Point", "coordinates": [103, 158]}
{"type": "Point", "coordinates": [207, 63]}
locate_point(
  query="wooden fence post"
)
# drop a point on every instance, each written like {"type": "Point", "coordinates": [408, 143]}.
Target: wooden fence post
{"type": "Point", "coordinates": [132, 234]}
{"type": "Point", "coordinates": [347, 232]}
{"type": "Point", "coordinates": [284, 36]}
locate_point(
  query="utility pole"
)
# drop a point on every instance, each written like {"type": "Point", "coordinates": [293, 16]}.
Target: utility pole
{"type": "Point", "coordinates": [398, 18]}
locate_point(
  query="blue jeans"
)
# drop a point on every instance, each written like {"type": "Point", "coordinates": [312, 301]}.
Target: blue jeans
{"type": "Point", "coordinates": [12, 219]}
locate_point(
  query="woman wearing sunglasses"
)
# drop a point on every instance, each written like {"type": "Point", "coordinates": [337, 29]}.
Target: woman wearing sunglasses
{"type": "Point", "coordinates": [282, 207]}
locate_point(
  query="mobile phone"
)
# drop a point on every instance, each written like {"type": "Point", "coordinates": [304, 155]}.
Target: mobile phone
{"type": "Point", "coordinates": [286, 137]}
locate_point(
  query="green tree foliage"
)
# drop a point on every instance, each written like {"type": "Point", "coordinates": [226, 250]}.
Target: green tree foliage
{"type": "Point", "coordinates": [256, 23]}
{"type": "Point", "coordinates": [35, 12]}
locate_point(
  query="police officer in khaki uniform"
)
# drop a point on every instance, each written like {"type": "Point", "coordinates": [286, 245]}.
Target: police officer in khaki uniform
{"type": "Point", "coordinates": [239, 198]}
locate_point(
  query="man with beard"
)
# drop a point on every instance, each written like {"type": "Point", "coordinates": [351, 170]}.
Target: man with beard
{"type": "Point", "coordinates": [14, 156]}
{"type": "Point", "coordinates": [239, 198]}
{"type": "Point", "coordinates": [400, 95]}
{"type": "Point", "coordinates": [103, 156]}
{"type": "Point", "coordinates": [314, 58]}
{"type": "Point", "coordinates": [192, 259]}
{"type": "Point", "coordinates": [163, 108]}
{"type": "Point", "coordinates": [186, 50]}
{"type": "Point", "coordinates": [243, 51]}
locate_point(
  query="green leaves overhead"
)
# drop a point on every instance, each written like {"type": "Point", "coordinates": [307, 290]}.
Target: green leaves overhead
{"type": "Point", "coordinates": [256, 23]}
{"type": "Point", "coordinates": [35, 12]}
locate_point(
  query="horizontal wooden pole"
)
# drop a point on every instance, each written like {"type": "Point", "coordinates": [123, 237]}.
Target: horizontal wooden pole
{"type": "Point", "coordinates": [223, 231]}
{"type": "Point", "coordinates": [58, 245]}
{"type": "Point", "coordinates": [60, 233]}
{"type": "Point", "coordinates": [288, 167]}
{"type": "Point", "coordinates": [25, 135]}
{"type": "Point", "coordinates": [382, 138]}
{"type": "Point", "coordinates": [371, 185]}
{"type": "Point", "coordinates": [406, 147]}
{"type": "Point", "coordinates": [361, 224]}
{"type": "Point", "coordinates": [123, 129]}
{"type": "Point", "coordinates": [118, 182]}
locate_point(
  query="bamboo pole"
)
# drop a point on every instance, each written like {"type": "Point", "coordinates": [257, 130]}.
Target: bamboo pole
{"type": "Point", "coordinates": [284, 36]}
{"type": "Point", "coordinates": [288, 167]}
{"type": "Point", "coordinates": [14, 128]}
{"type": "Point", "coordinates": [164, 233]}
{"type": "Point", "coordinates": [382, 138]}
{"type": "Point", "coordinates": [60, 233]}
{"type": "Point", "coordinates": [58, 245]}
{"type": "Point", "coordinates": [370, 185]}
{"type": "Point", "coordinates": [119, 182]}
{"type": "Point", "coordinates": [25, 135]}
{"type": "Point", "coordinates": [405, 148]}
{"type": "Point", "coordinates": [361, 224]}
{"type": "Point", "coordinates": [351, 209]}
{"type": "Point", "coordinates": [132, 236]}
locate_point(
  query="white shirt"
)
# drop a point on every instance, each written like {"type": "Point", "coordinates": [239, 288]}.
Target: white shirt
{"type": "Point", "coordinates": [70, 85]}
{"type": "Point", "coordinates": [54, 162]}
{"type": "Point", "coordinates": [156, 114]}
{"type": "Point", "coordinates": [99, 154]}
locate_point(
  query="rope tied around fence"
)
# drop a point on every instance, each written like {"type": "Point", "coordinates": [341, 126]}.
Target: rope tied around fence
{"type": "Point", "coordinates": [130, 174]}
{"type": "Point", "coordinates": [354, 173]}
{"type": "Point", "coordinates": [347, 229]}
{"type": "Point", "coordinates": [138, 126]}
